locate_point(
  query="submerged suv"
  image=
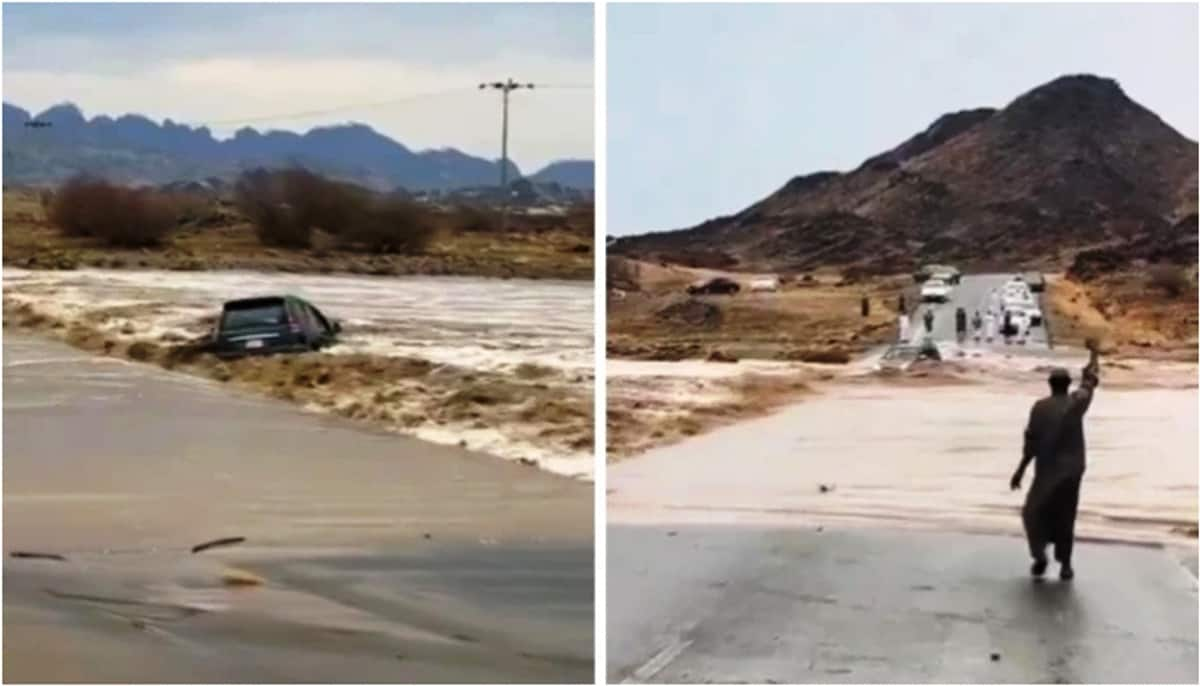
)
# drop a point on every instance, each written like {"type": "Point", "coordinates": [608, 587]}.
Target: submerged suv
{"type": "Point", "coordinates": [271, 325]}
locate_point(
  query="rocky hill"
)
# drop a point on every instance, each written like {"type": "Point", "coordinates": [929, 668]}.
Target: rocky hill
{"type": "Point", "coordinates": [133, 149]}
{"type": "Point", "coordinates": [1072, 165]}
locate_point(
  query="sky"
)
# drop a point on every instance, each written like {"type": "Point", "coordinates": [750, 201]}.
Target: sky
{"type": "Point", "coordinates": [712, 107]}
{"type": "Point", "coordinates": [231, 64]}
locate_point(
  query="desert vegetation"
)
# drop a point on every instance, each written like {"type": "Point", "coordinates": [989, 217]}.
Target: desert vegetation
{"type": "Point", "coordinates": [116, 215]}
{"type": "Point", "coordinates": [287, 220]}
{"type": "Point", "coordinates": [286, 207]}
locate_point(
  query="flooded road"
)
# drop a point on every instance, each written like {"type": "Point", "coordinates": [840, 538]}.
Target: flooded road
{"type": "Point", "coordinates": [510, 329]}
{"type": "Point", "coordinates": [476, 322]}
{"type": "Point", "coordinates": [369, 556]}
{"type": "Point", "coordinates": [868, 534]}
{"type": "Point", "coordinates": [932, 457]}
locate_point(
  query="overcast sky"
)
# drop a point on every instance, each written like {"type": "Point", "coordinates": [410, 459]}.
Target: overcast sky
{"type": "Point", "coordinates": [712, 107]}
{"type": "Point", "coordinates": [229, 63]}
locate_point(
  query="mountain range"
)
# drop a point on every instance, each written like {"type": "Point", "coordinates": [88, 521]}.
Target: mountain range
{"type": "Point", "coordinates": [134, 149]}
{"type": "Point", "coordinates": [1070, 165]}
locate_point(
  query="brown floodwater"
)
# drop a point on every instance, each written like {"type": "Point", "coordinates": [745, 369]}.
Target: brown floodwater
{"type": "Point", "coordinates": [938, 456]}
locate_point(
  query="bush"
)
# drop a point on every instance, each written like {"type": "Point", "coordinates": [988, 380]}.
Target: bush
{"type": "Point", "coordinates": [264, 198]}
{"type": "Point", "coordinates": [287, 206]}
{"type": "Point", "coordinates": [389, 225]}
{"type": "Point", "coordinates": [1170, 279]}
{"type": "Point", "coordinates": [119, 216]}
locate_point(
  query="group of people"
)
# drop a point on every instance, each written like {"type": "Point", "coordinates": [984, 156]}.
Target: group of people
{"type": "Point", "coordinates": [1054, 441]}
{"type": "Point", "coordinates": [994, 322]}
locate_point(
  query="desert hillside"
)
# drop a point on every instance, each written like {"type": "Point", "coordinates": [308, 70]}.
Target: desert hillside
{"type": "Point", "coordinates": [1071, 166]}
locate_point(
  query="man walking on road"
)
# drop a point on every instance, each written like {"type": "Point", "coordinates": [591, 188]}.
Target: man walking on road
{"type": "Point", "coordinates": [1054, 438]}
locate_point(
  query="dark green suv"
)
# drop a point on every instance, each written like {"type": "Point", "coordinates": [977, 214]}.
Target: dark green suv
{"type": "Point", "coordinates": [274, 324]}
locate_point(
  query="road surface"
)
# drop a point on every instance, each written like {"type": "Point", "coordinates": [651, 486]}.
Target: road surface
{"type": "Point", "coordinates": [747, 604]}
{"type": "Point", "coordinates": [819, 544]}
{"type": "Point", "coordinates": [971, 294]}
{"type": "Point", "coordinates": [377, 557]}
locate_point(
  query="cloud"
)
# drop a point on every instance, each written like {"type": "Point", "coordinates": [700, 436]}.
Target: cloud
{"type": "Point", "coordinates": [235, 64]}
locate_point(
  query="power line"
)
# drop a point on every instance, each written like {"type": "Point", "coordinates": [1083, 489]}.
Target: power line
{"type": "Point", "coordinates": [335, 110]}
{"type": "Point", "coordinates": [379, 103]}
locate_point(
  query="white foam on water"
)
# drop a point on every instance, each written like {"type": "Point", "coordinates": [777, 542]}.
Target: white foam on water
{"type": "Point", "coordinates": [491, 325]}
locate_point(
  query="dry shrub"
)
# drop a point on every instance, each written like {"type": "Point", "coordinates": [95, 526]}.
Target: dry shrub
{"type": "Point", "coordinates": [119, 216]}
{"type": "Point", "coordinates": [263, 198]}
{"type": "Point", "coordinates": [1172, 280]}
{"type": "Point", "coordinates": [287, 206]}
{"type": "Point", "coordinates": [389, 225]}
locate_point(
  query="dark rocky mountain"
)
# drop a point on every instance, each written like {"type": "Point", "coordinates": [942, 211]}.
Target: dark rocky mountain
{"type": "Point", "coordinates": [568, 173]}
{"type": "Point", "coordinates": [1070, 165]}
{"type": "Point", "coordinates": [134, 149]}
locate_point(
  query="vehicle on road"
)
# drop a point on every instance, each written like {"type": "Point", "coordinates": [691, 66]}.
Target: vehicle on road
{"type": "Point", "coordinates": [1016, 294]}
{"type": "Point", "coordinates": [935, 290]}
{"type": "Point", "coordinates": [1037, 282]}
{"type": "Point", "coordinates": [1029, 312]}
{"type": "Point", "coordinates": [947, 273]}
{"type": "Point", "coordinates": [272, 324]}
{"type": "Point", "coordinates": [901, 355]}
{"type": "Point", "coordinates": [719, 285]}
{"type": "Point", "coordinates": [764, 285]}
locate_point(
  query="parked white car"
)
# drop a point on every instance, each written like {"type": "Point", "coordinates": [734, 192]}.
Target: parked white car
{"type": "Point", "coordinates": [764, 285]}
{"type": "Point", "coordinates": [935, 290]}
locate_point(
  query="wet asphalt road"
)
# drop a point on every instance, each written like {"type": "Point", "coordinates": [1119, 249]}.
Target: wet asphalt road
{"type": "Point", "coordinates": [383, 558]}
{"type": "Point", "coordinates": [750, 604]}
{"type": "Point", "coordinates": [971, 294]}
{"type": "Point", "coordinates": [726, 564]}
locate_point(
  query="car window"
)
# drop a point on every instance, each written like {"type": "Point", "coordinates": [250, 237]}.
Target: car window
{"type": "Point", "coordinates": [245, 317]}
{"type": "Point", "coordinates": [321, 322]}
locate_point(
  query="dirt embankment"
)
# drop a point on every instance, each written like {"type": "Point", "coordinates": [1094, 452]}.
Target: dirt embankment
{"type": "Point", "coordinates": [813, 317]}
{"type": "Point", "coordinates": [1136, 313]}
{"type": "Point", "coordinates": [218, 237]}
{"type": "Point", "coordinates": [653, 410]}
{"type": "Point", "coordinates": [529, 415]}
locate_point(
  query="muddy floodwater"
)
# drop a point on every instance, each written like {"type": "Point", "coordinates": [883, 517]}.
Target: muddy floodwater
{"type": "Point", "coordinates": [490, 325]}
{"type": "Point", "coordinates": [937, 456]}
{"type": "Point", "coordinates": [477, 322]}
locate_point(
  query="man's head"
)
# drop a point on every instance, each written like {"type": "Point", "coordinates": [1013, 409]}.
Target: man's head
{"type": "Point", "coordinates": [1060, 380]}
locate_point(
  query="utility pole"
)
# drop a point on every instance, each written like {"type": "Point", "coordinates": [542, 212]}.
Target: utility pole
{"type": "Point", "coordinates": [505, 87]}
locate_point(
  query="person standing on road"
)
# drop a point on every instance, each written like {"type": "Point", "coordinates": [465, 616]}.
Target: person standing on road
{"type": "Point", "coordinates": [928, 321]}
{"type": "Point", "coordinates": [977, 326]}
{"type": "Point", "coordinates": [960, 325]}
{"type": "Point", "coordinates": [1006, 328]}
{"type": "Point", "coordinates": [1054, 439]}
{"type": "Point", "coordinates": [989, 326]}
